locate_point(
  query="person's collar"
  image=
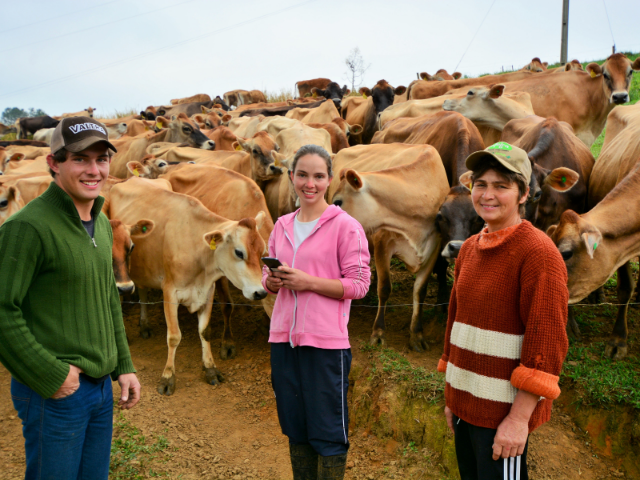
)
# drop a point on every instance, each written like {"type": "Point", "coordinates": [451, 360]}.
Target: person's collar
{"type": "Point", "coordinates": [57, 197]}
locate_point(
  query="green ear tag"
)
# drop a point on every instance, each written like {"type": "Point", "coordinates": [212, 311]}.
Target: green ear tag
{"type": "Point", "coordinates": [144, 229]}
{"type": "Point", "coordinates": [564, 179]}
{"type": "Point", "coordinates": [595, 245]}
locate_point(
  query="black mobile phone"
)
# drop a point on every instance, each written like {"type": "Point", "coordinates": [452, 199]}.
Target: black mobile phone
{"type": "Point", "coordinates": [272, 263]}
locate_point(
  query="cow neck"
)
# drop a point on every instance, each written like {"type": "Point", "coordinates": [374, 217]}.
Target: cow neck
{"type": "Point", "coordinates": [60, 199]}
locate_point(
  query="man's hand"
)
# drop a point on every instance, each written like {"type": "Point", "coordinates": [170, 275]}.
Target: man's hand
{"type": "Point", "coordinates": [449, 416]}
{"type": "Point", "coordinates": [130, 387]}
{"type": "Point", "coordinates": [70, 384]}
{"type": "Point", "coordinates": [294, 279]}
{"type": "Point", "coordinates": [511, 437]}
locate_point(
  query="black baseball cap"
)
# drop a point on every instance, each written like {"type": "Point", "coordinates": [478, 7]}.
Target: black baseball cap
{"type": "Point", "coordinates": [77, 133]}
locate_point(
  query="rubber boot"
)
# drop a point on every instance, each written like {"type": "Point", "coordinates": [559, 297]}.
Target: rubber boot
{"type": "Point", "coordinates": [332, 468]}
{"type": "Point", "coordinates": [304, 462]}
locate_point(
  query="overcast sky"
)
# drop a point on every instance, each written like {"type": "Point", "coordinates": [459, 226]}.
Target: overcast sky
{"type": "Point", "coordinates": [66, 55]}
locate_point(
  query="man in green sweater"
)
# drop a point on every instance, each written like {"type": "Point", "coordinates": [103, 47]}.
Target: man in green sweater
{"type": "Point", "coordinates": [61, 329]}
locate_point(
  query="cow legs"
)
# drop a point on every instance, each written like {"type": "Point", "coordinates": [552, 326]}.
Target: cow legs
{"type": "Point", "coordinates": [444, 293]}
{"type": "Point", "coordinates": [212, 374]}
{"type": "Point", "coordinates": [616, 348]}
{"type": "Point", "coordinates": [573, 331]}
{"type": "Point", "coordinates": [597, 296]}
{"type": "Point", "coordinates": [382, 256]}
{"type": "Point", "coordinates": [145, 330]}
{"type": "Point", "coordinates": [167, 383]}
{"type": "Point", "coordinates": [416, 338]}
{"type": "Point", "coordinates": [227, 345]}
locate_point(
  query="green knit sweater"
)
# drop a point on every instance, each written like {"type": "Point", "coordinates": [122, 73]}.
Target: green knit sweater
{"type": "Point", "coordinates": [59, 303]}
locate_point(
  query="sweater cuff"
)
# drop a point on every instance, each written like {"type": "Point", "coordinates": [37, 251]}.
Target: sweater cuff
{"type": "Point", "coordinates": [50, 383]}
{"type": "Point", "coordinates": [442, 365]}
{"type": "Point", "coordinates": [123, 367]}
{"type": "Point", "coordinates": [536, 382]}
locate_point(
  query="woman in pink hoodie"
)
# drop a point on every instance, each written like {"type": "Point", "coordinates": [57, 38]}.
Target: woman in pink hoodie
{"type": "Point", "coordinates": [325, 258]}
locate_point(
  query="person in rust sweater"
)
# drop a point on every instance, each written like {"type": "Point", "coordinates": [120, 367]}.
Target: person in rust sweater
{"type": "Point", "coordinates": [505, 340]}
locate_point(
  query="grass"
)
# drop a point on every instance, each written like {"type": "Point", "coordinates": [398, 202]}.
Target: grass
{"type": "Point", "coordinates": [8, 137]}
{"type": "Point", "coordinates": [131, 453]}
{"type": "Point", "coordinates": [418, 381]}
{"type": "Point", "coordinates": [122, 113]}
{"type": "Point", "coordinates": [281, 95]}
{"type": "Point", "coordinates": [599, 381]}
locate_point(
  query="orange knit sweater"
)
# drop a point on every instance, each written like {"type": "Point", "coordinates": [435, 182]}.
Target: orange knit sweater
{"type": "Point", "coordinates": [506, 326]}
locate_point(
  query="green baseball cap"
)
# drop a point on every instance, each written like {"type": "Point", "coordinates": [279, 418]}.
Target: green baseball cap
{"type": "Point", "coordinates": [512, 158]}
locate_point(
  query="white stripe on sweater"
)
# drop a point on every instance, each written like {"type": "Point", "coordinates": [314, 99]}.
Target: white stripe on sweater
{"type": "Point", "coordinates": [480, 386]}
{"type": "Point", "coordinates": [486, 342]}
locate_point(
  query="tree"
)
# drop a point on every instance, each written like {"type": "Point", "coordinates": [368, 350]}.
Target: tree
{"type": "Point", "coordinates": [10, 115]}
{"type": "Point", "coordinates": [356, 68]}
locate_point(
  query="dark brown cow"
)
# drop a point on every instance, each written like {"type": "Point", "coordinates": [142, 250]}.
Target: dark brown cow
{"type": "Point", "coordinates": [305, 86]}
{"type": "Point", "coordinates": [30, 125]}
{"type": "Point", "coordinates": [122, 248]}
{"type": "Point", "coordinates": [332, 92]}
{"type": "Point", "coordinates": [366, 114]}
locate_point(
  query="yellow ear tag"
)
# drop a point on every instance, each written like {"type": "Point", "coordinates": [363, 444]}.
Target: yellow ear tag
{"type": "Point", "coordinates": [213, 245]}
{"type": "Point", "coordinates": [146, 127]}
{"type": "Point", "coordinates": [158, 124]}
{"type": "Point", "coordinates": [315, 95]}
{"type": "Point", "coordinates": [593, 74]}
{"type": "Point", "coordinates": [471, 188]}
{"type": "Point", "coordinates": [364, 95]}
{"type": "Point", "coordinates": [238, 147]}
{"type": "Point", "coordinates": [136, 172]}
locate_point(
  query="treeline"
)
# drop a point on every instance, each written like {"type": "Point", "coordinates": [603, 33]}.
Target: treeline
{"type": "Point", "coordinates": [10, 115]}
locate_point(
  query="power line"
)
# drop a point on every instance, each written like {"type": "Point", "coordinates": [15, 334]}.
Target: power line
{"type": "Point", "coordinates": [49, 19]}
{"type": "Point", "coordinates": [153, 52]}
{"type": "Point", "coordinates": [609, 22]}
{"type": "Point", "coordinates": [94, 27]}
{"type": "Point", "coordinates": [474, 37]}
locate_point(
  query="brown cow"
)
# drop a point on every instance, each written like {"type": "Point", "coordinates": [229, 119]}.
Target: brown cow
{"type": "Point", "coordinates": [252, 96]}
{"type": "Point", "coordinates": [223, 137]}
{"type": "Point", "coordinates": [305, 86]}
{"type": "Point", "coordinates": [232, 97]}
{"type": "Point", "coordinates": [440, 75]}
{"type": "Point", "coordinates": [123, 236]}
{"type": "Point", "coordinates": [199, 97]}
{"type": "Point", "coordinates": [536, 65]}
{"type": "Point", "coordinates": [366, 113]}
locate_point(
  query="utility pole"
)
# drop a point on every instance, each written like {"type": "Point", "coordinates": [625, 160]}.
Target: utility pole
{"type": "Point", "coordinates": [565, 32]}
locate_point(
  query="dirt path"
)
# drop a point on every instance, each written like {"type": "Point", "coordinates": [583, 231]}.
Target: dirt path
{"type": "Point", "coordinates": [232, 431]}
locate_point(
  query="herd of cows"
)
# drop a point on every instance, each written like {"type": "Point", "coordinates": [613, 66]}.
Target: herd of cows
{"type": "Point", "coordinates": [197, 184]}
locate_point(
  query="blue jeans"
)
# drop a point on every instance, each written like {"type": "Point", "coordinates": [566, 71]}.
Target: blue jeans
{"type": "Point", "coordinates": [70, 438]}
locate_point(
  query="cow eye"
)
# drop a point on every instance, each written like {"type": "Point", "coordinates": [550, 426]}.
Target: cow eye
{"type": "Point", "coordinates": [606, 76]}
{"type": "Point", "coordinates": [162, 164]}
{"type": "Point", "coordinates": [4, 203]}
{"type": "Point", "coordinates": [239, 254]}
{"type": "Point", "coordinates": [256, 151]}
{"type": "Point", "coordinates": [439, 217]}
{"type": "Point", "coordinates": [470, 92]}
{"type": "Point", "coordinates": [566, 255]}
{"type": "Point", "coordinates": [131, 248]}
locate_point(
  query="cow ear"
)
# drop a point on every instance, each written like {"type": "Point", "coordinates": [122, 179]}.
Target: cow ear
{"type": "Point", "coordinates": [136, 168]}
{"type": "Point", "coordinates": [17, 157]}
{"type": "Point", "coordinates": [355, 129]}
{"type": "Point", "coordinates": [345, 91]}
{"type": "Point", "coordinates": [13, 193]}
{"type": "Point", "coordinates": [551, 230]}
{"type": "Point", "coordinates": [456, 75]}
{"type": "Point", "coordinates": [594, 69]}
{"type": "Point", "coordinates": [198, 118]}
{"type": "Point", "coordinates": [204, 109]}
{"type": "Point", "coordinates": [636, 64]}
{"type": "Point", "coordinates": [226, 118]}
{"type": "Point", "coordinates": [545, 64]}
{"type": "Point", "coordinates": [260, 219]}
{"type": "Point", "coordinates": [163, 122]}
{"type": "Point", "coordinates": [213, 239]}
{"type": "Point", "coordinates": [562, 179]}
{"type": "Point", "coordinates": [400, 90]}
{"type": "Point", "coordinates": [142, 228]}
{"type": "Point", "coordinates": [567, 67]}
{"type": "Point", "coordinates": [365, 91]}
{"type": "Point", "coordinates": [425, 76]}
{"type": "Point", "coordinates": [465, 179]}
{"type": "Point", "coordinates": [277, 158]}
{"type": "Point", "coordinates": [242, 145]}
{"type": "Point", "coordinates": [592, 240]}
{"type": "Point", "coordinates": [354, 179]}
{"type": "Point", "coordinates": [496, 91]}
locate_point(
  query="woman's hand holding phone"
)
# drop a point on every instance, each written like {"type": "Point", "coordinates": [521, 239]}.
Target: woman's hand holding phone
{"type": "Point", "coordinates": [274, 283]}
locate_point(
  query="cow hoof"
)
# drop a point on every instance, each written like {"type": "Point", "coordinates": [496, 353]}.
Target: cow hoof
{"type": "Point", "coordinates": [167, 385]}
{"type": "Point", "coordinates": [616, 349]}
{"type": "Point", "coordinates": [227, 351]}
{"type": "Point", "coordinates": [377, 339]}
{"type": "Point", "coordinates": [146, 332]}
{"type": "Point", "coordinates": [213, 376]}
{"type": "Point", "coordinates": [417, 343]}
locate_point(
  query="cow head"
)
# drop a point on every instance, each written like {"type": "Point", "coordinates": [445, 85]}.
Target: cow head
{"type": "Point", "coordinates": [615, 74]}
{"type": "Point", "coordinates": [456, 221]}
{"type": "Point", "coordinates": [535, 65]}
{"type": "Point", "coordinates": [332, 92]}
{"type": "Point", "coordinates": [260, 148]}
{"type": "Point", "coordinates": [10, 201]}
{"type": "Point", "coordinates": [149, 113]}
{"type": "Point", "coordinates": [10, 162]}
{"type": "Point", "coordinates": [210, 119]}
{"type": "Point", "coordinates": [542, 206]}
{"type": "Point", "coordinates": [222, 103]}
{"type": "Point", "coordinates": [123, 236]}
{"type": "Point", "coordinates": [148, 167]}
{"type": "Point", "coordinates": [573, 65]}
{"type": "Point", "coordinates": [486, 106]}
{"type": "Point", "coordinates": [238, 249]}
{"type": "Point", "coordinates": [184, 130]}
{"type": "Point", "coordinates": [382, 94]}
{"type": "Point", "coordinates": [90, 111]}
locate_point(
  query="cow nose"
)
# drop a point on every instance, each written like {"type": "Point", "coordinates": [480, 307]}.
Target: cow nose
{"type": "Point", "coordinates": [275, 170]}
{"type": "Point", "coordinates": [126, 288]}
{"type": "Point", "coordinates": [259, 295]}
{"type": "Point", "coordinates": [619, 98]}
{"type": "Point", "coordinates": [209, 145]}
{"type": "Point", "coordinates": [337, 203]}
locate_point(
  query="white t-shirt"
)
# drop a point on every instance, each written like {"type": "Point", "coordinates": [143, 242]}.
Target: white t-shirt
{"type": "Point", "coordinates": [301, 230]}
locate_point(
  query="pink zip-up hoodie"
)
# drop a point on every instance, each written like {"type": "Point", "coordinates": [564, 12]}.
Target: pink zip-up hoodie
{"type": "Point", "coordinates": [337, 248]}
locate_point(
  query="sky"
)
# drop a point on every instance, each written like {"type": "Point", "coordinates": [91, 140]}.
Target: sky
{"type": "Point", "coordinates": [119, 55]}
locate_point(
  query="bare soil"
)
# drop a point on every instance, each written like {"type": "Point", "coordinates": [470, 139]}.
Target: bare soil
{"type": "Point", "coordinates": [232, 430]}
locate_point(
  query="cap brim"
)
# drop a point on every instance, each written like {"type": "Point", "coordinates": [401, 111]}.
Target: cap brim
{"type": "Point", "coordinates": [86, 143]}
{"type": "Point", "coordinates": [477, 158]}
